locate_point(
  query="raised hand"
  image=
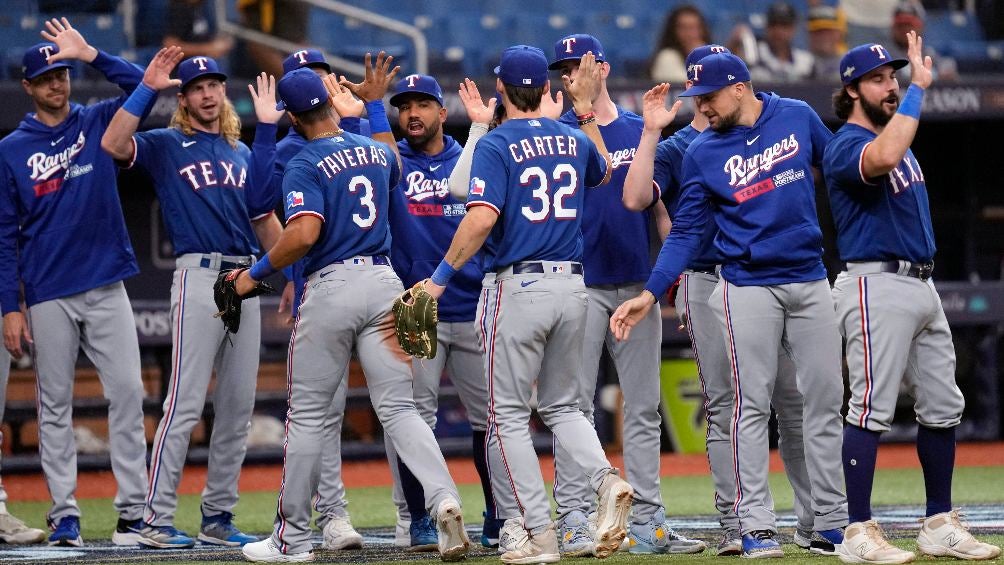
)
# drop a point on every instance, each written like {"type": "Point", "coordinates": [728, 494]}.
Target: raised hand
{"type": "Point", "coordinates": [920, 65]}
{"type": "Point", "coordinates": [264, 99]}
{"type": "Point", "coordinates": [476, 109]}
{"type": "Point", "coordinates": [586, 86]}
{"type": "Point", "coordinates": [342, 101]}
{"type": "Point", "coordinates": [377, 79]}
{"type": "Point", "coordinates": [654, 112]}
{"type": "Point", "coordinates": [158, 73]}
{"type": "Point", "coordinates": [552, 107]}
{"type": "Point", "coordinates": [628, 314]}
{"type": "Point", "coordinates": [71, 44]}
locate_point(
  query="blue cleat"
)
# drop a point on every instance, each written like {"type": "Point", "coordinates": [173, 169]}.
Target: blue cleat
{"type": "Point", "coordinates": [827, 542]}
{"type": "Point", "coordinates": [67, 532]}
{"type": "Point", "coordinates": [490, 531]}
{"type": "Point", "coordinates": [164, 537]}
{"type": "Point", "coordinates": [761, 544]}
{"type": "Point", "coordinates": [424, 536]}
{"type": "Point", "coordinates": [220, 530]}
{"type": "Point", "coordinates": [658, 537]}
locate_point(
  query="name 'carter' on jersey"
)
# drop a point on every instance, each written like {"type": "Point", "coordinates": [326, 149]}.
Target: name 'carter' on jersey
{"type": "Point", "coordinates": [532, 172]}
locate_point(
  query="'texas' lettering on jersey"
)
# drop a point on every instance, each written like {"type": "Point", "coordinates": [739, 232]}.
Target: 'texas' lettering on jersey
{"type": "Point", "coordinates": [45, 167]}
{"type": "Point", "coordinates": [359, 156]}
{"type": "Point", "coordinates": [742, 169]}
{"type": "Point", "coordinates": [905, 174]}
{"type": "Point", "coordinates": [202, 174]}
{"type": "Point", "coordinates": [421, 188]}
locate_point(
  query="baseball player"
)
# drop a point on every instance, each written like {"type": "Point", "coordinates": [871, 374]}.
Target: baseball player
{"type": "Point", "coordinates": [333, 518]}
{"type": "Point", "coordinates": [616, 268]}
{"type": "Point", "coordinates": [524, 207]}
{"type": "Point", "coordinates": [751, 172]}
{"type": "Point", "coordinates": [213, 191]}
{"type": "Point", "coordinates": [423, 219]}
{"type": "Point", "coordinates": [337, 192]}
{"type": "Point", "coordinates": [657, 164]}
{"type": "Point", "coordinates": [63, 238]}
{"type": "Point", "coordinates": [12, 529]}
{"type": "Point", "coordinates": [887, 307]}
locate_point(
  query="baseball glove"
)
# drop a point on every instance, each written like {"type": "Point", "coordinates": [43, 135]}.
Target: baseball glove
{"type": "Point", "coordinates": [416, 313]}
{"type": "Point", "coordinates": [229, 302]}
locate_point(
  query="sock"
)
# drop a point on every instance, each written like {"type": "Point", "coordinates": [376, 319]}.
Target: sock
{"type": "Point", "coordinates": [936, 450]}
{"type": "Point", "coordinates": [479, 438]}
{"type": "Point", "coordinates": [859, 451]}
{"type": "Point", "coordinates": [414, 494]}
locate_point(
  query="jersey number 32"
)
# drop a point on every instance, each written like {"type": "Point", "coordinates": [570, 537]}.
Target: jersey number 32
{"type": "Point", "coordinates": [566, 181]}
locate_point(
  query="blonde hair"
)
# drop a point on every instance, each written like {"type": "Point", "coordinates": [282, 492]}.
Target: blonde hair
{"type": "Point", "coordinates": [230, 122]}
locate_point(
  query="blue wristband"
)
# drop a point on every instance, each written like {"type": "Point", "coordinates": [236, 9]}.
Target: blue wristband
{"type": "Point", "coordinates": [287, 272]}
{"type": "Point", "coordinates": [262, 268]}
{"type": "Point", "coordinates": [377, 115]}
{"type": "Point", "coordinates": [139, 100]}
{"type": "Point", "coordinates": [444, 272]}
{"type": "Point", "coordinates": [912, 101]}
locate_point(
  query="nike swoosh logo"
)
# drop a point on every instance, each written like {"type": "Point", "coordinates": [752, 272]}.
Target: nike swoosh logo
{"type": "Point", "coordinates": [188, 143]}
{"type": "Point", "coordinates": [752, 141]}
{"type": "Point", "coordinates": [326, 274]}
{"type": "Point", "coordinates": [434, 168]}
{"type": "Point", "coordinates": [526, 283]}
{"type": "Point", "coordinates": [55, 143]}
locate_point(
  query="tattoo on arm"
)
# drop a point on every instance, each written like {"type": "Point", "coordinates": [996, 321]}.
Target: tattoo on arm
{"type": "Point", "coordinates": [460, 253]}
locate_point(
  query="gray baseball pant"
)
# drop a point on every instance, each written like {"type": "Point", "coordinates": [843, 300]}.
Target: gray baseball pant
{"type": "Point", "coordinates": [200, 346]}
{"type": "Point", "coordinates": [637, 361]}
{"type": "Point", "coordinates": [759, 322]}
{"type": "Point", "coordinates": [330, 501]}
{"type": "Point", "coordinates": [100, 321]}
{"type": "Point", "coordinates": [537, 329]}
{"type": "Point", "coordinates": [319, 347]}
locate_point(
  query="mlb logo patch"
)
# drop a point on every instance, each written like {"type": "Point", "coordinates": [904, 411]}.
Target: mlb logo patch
{"type": "Point", "coordinates": [477, 187]}
{"type": "Point", "coordinates": [557, 268]}
{"type": "Point", "coordinates": [358, 261]}
{"type": "Point", "coordinates": [294, 199]}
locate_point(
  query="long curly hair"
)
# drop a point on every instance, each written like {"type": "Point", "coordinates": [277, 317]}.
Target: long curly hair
{"type": "Point", "coordinates": [230, 122]}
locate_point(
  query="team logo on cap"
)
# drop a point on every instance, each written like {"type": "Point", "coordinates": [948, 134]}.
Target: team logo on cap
{"type": "Point", "coordinates": [878, 50]}
{"type": "Point", "coordinates": [412, 79]}
{"type": "Point", "coordinates": [717, 49]}
{"type": "Point", "coordinates": [302, 56]}
{"type": "Point", "coordinates": [201, 62]}
{"type": "Point", "coordinates": [569, 43]}
{"type": "Point", "coordinates": [46, 50]}
{"type": "Point", "coordinates": [697, 69]}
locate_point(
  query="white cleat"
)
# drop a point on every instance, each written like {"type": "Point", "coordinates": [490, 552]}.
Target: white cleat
{"type": "Point", "coordinates": [453, 540]}
{"type": "Point", "coordinates": [612, 514]}
{"type": "Point", "coordinates": [541, 548]}
{"type": "Point", "coordinates": [945, 535]}
{"type": "Point", "coordinates": [864, 542]}
{"type": "Point", "coordinates": [265, 551]}
{"type": "Point", "coordinates": [339, 534]}
{"type": "Point", "coordinates": [512, 535]}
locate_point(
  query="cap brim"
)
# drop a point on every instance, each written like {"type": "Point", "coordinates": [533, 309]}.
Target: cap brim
{"type": "Point", "coordinates": [397, 99]}
{"type": "Point", "coordinates": [221, 76]}
{"type": "Point", "coordinates": [700, 89]}
{"type": "Point", "coordinates": [47, 68]}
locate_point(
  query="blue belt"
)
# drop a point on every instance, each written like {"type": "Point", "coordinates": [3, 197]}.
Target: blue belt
{"type": "Point", "coordinates": [206, 263]}
{"type": "Point", "coordinates": [536, 267]}
{"type": "Point", "coordinates": [376, 260]}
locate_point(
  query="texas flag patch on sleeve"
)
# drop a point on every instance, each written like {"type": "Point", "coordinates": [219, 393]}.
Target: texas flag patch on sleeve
{"type": "Point", "coordinates": [477, 187]}
{"type": "Point", "coordinates": [294, 199]}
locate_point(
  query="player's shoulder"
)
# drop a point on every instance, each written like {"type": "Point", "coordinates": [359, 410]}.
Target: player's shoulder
{"type": "Point", "coordinates": [569, 118]}
{"type": "Point", "coordinates": [629, 117]}
{"type": "Point", "coordinates": [846, 137]}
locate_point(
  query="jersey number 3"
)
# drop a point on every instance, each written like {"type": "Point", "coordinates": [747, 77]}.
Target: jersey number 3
{"type": "Point", "coordinates": [366, 220]}
{"type": "Point", "coordinates": [566, 182]}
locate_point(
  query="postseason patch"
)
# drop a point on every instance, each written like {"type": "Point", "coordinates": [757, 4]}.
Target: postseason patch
{"type": "Point", "coordinates": [294, 199]}
{"type": "Point", "coordinates": [477, 187]}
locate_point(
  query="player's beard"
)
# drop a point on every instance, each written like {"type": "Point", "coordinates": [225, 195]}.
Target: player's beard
{"type": "Point", "coordinates": [429, 132]}
{"type": "Point", "coordinates": [877, 113]}
{"type": "Point", "coordinates": [728, 121]}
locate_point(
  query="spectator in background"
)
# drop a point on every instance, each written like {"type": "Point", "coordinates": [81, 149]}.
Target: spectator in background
{"type": "Point", "coordinates": [906, 16]}
{"type": "Point", "coordinates": [283, 19]}
{"type": "Point", "coordinates": [776, 59]}
{"type": "Point", "coordinates": [685, 30]}
{"type": "Point", "coordinates": [191, 25]}
{"type": "Point", "coordinates": [827, 27]}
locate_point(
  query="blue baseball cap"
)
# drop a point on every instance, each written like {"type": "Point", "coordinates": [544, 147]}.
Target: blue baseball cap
{"type": "Point", "coordinates": [523, 65]}
{"type": "Point", "coordinates": [866, 58]}
{"type": "Point", "coordinates": [573, 47]}
{"type": "Point", "coordinates": [301, 90]}
{"type": "Point", "coordinates": [714, 72]}
{"type": "Point", "coordinates": [701, 52]}
{"type": "Point", "coordinates": [36, 60]}
{"type": "Point", "coordinates": [198, 67]}
{"type": "Point", "coordinates": [417, 84]}
{"type": "Point", "coordinates": [309, 58]}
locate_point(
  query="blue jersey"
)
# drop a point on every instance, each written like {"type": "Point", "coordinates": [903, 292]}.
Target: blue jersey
{"type": "Point", "coordinates": [615, 239]}
{"type": "Point", "coordinates": [345, 181]}
{"type": "Point", "coordinates": [532, 172]}
{"type": "Point", "coordinates": [62, 231]}
{"type": "Point", "coordinates": [668, 178]}
{"type": "Point", "coordinates": [756, 183]}
{"type": "Point", "coordinates": [423, 218]}
{"type": "Point", "coordinates": [877, 219]}
{"type": "Point", "coordinates": [209, 191]}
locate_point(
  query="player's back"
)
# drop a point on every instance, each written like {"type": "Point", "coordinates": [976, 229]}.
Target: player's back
{"type": "Point", "coordinates": [345, 181]}
{"type": "Point", "coordinates": [534, 172]}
